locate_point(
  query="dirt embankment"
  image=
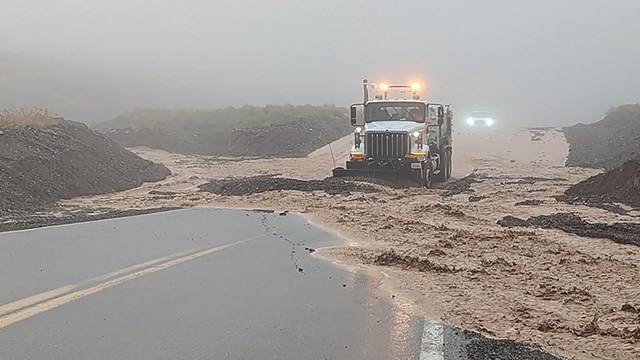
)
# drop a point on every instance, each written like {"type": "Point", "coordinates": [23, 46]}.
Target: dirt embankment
{"type": "Point", "coordinates": [310, 129]}
{"type": "Point", "coordinates": [612, 144]}
{"type": "Point", "coordinates": [608, 143]}
{"type": "Point", "coordinates": [43, 162]}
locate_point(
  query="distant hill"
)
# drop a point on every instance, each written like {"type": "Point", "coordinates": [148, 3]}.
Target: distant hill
{"type": "Point", "coordinates": [269, 131]}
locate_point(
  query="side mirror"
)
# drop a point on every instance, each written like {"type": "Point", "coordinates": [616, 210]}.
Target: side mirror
{"type": "Point", "coordinates": [354, 115]}
{"type": "Point", "coordinates": [357, 115]}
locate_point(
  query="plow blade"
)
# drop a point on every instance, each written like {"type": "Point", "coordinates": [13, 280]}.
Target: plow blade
{"type": "Point", "coordinates": [374, 173]}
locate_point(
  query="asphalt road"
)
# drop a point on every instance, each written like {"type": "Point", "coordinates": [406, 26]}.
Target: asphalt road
{"type": "Point", "coordinates": [207, 284]}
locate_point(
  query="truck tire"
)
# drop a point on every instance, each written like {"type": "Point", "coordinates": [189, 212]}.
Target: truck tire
{"type": "Point", "coordinates": [443, 175]}
{"type": "Point", "coordinates": [427, 177]}
{"type": "Point", "coordinates": [448, 164]}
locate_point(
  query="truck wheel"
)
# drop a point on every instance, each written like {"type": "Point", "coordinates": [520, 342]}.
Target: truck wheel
{"type": "Point", "coordinates": [442, 175]}
{"type": "Point", "coordinates": [426, 177]}
{"type": "Point", "coordinates": [448, 164]}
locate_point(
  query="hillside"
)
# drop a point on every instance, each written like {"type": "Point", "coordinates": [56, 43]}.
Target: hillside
{"type": "Point", "coordinates": [270, 131]}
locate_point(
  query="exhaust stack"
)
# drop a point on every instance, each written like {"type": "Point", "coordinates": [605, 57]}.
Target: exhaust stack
{"type": "Point", "coordinates": [365, 86]}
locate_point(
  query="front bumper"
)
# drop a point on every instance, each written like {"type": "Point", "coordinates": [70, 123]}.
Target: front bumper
{"type": "Point", "coordinates": [380, 168]}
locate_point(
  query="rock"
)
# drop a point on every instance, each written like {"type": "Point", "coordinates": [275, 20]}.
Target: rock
{"type": "Point", "coordinates": [530, 202]}
{"type": "Point", "coordinates": [476, 198]}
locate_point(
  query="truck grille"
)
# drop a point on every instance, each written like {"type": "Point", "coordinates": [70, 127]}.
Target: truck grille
{"type": "Point", "coordinates": [386, 145]}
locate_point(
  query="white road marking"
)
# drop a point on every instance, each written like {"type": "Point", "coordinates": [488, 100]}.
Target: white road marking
{"type": "Point", "coordinates": [432, 347]}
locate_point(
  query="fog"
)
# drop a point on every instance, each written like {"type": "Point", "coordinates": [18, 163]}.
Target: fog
{"type": "Point", "coordinates": [531, 62]}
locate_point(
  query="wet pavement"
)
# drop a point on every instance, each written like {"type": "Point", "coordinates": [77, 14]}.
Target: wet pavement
{"type": "Point", "coordinates": [207, 284]}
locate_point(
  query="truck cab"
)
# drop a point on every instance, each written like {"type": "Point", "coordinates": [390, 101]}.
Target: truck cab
{"type": "Point", "coordinates": [404, 135]}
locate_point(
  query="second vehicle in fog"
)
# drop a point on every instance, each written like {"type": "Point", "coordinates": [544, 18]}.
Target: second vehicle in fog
{"type": "Point", "coordinates": [481, 118]}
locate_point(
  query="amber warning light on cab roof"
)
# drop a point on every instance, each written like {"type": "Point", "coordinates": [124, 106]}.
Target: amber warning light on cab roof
{"type": "Point", "coordinates": [384, 88]}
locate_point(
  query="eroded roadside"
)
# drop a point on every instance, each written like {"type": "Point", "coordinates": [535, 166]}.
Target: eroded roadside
{"type": "Point", "coordinates": [572, 295]}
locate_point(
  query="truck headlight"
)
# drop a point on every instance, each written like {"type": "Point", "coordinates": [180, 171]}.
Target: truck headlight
{"type": "Point", "coordinates": [358, 130]}
{"type": "Point", "coordinates": [418, 139]}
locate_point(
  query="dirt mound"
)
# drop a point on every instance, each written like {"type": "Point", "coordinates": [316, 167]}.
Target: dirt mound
{"type": "Point", "coordinates": [310, 130]}
{"type": "Point", "coordinates": [623, 233]}
{"type": "Point", "coordinates": [608, 143]}
{"type": "Point", "coordinates": [619, 185]}
{"type": "Point", "coordinates": [41, 164]}
{"type": "Point", "coordinates": [260, 184]}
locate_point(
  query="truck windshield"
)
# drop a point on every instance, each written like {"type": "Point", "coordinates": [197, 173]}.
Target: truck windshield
{"type": "Point", "coordinates": [395, 112]}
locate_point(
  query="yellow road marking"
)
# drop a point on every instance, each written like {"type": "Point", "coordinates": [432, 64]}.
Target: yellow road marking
{"type": "Point", "coordinates": [31, 300]}
{"type": "Point", "coordinates": [28, 307]}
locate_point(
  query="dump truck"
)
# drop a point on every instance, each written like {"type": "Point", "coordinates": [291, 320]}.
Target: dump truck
{"type": "Point", "coordinates": [397, 133]}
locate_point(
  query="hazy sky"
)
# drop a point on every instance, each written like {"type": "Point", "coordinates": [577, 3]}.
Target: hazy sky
{"type": "Point", "coordinates": [533, 62]}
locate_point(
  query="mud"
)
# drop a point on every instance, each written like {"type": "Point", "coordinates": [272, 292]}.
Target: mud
{"type": "Point", "coordinates": [529, 180]}
{"type": "Point", "coordinates": [60, 215]}
{"type": "Point", "coordinates": [528, 284]}
{"type": "Point", "coordinates": [530, 202]}
{"type": "Point", "coordinates": [408, 262]}
{"type": "Point", "coordinates": [593, 202]}
{"type": "Point", "coordinates": [537, 134]}
{"type": "Point", "coordinates": [461, 185]}
{"type": "Point", "coordinates": [623, 233]}
{"type": "Point", "coordinates": [260, 184]}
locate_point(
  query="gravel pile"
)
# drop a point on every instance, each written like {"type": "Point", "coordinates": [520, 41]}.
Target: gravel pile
{"type": "Point", "coordinates": [41, 164]}
{"type": "Point", "coordinates": [624, 233]}
{"type": "Point", "coordinates": [618, 185]}
{"type": "Point", "coordinates": [260, 184]}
